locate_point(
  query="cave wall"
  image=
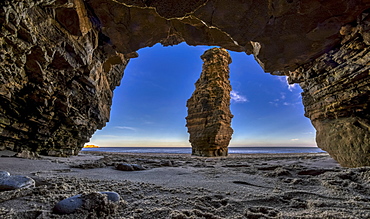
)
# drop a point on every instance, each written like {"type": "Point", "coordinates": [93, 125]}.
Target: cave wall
{"type": "Point", "coordinates": [57, 76]}
{"type": "Point", "coordinates": [336, 95]}
{"type": "Point", "coordinates": [61, 60]}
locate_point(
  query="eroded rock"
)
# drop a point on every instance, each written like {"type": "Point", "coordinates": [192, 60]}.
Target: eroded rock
{"type": "Point", "coordinates": [57, 76]}
{"type": "Point", "coordinates": [209, 116]}
{"type": "Point", "coordinates": [61, 60]}
{"type": "Point", "coordinates": [336, 96]}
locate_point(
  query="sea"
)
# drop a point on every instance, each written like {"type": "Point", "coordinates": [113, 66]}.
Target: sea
{"type": "Point", "coordinates": [187, 150]}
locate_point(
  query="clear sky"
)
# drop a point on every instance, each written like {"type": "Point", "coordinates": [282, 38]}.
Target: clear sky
{"type": "Point", "coordinates": [149, 108]}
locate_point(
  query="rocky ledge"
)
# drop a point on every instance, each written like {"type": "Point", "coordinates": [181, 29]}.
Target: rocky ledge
{"type": "Point", "coordinates": [61, 60]}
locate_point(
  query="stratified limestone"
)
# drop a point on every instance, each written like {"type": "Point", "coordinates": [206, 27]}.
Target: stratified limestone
{"type": "Point", "coordinates": [57, 75]}
{"type": "Point", "coordinates": [337, 96]}
{"type": "Point", "coordinates": [209, 116]}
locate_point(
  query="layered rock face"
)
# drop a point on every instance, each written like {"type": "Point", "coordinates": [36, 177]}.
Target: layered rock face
{"type": "Point", "coordinates": [209, 116]}
{"type": "Point", "coordinates": [337, 95]}
{"type": "Point", "coordinates": [57, 76]}
{"type": "Point", "coordinates": [61, 60]}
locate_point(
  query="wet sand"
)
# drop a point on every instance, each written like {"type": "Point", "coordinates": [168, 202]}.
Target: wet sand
{"type": "Point", "coordinates": [183, 186]}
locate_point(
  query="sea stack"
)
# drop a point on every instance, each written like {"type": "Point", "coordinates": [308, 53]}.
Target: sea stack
{"type": "Point", "coordinates": [209, 116]}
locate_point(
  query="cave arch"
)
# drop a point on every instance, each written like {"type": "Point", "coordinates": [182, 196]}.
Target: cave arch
{"type": "Point", "coordinates": [58, 76]}
{"type": "Point", "coordinates": [263, 113]}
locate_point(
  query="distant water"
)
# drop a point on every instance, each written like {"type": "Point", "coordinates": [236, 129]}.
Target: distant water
{"type": "Point", "coordinates": [187, 150]}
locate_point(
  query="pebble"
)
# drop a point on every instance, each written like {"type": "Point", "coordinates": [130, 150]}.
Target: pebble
{"type": "Point", "coordinates": [71, 204]}
{"type": "Point", "coordinates": [129, 167]}
{"type": "Point", "coordinates": [112, 196]}
{"type": "Point", "coordinates": [124, 167]}
{"type": "Point", "coordinates": [4, 174]}
{"type": "Point", "coordinates": [166, 163]}
{"type": "Point", "coordinates": [68, 205]}
{"type": "Point", "coordinates": [8, 182]}
{"type": "Point", "coordinates": [137, 167]}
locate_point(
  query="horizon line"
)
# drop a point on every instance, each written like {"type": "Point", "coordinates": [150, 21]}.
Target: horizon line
{"type": "Point", "coordinates": [287, 146]}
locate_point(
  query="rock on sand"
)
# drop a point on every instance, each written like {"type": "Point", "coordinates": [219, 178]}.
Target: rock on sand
{"type": "Point", "coordinates": [8, 182]}
{"type": "Point", "coordinates": [129, 167]}
{"type": "Point", "coordinates": [91, 201]}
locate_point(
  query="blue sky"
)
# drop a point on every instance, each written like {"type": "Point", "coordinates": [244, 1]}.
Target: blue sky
{"type": "Point", "coordinates": [149, 108]}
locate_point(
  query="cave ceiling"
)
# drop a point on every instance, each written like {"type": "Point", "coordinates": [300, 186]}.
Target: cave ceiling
{"type": "Point", "coordinates": [282, 34]}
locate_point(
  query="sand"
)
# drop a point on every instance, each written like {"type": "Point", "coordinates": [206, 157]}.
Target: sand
{"type": "Point", "coordinates": [183, 186]}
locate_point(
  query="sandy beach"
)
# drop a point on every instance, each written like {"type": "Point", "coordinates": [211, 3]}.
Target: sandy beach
{"type": "Point", "coordinates": [184, 186]}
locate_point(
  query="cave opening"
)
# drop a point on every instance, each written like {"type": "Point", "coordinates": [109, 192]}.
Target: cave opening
{"type": "Point", "coordinates": [149, 106]}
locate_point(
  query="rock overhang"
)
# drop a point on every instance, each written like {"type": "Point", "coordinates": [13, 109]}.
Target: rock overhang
{"type": "Point", "coordinates": [282, 34]}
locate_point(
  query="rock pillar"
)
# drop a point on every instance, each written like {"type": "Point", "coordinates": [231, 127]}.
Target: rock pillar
{"type": "Point", "coordinates": [336, 96]}
{"type": "Point", "coordinates": [209, 116]}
